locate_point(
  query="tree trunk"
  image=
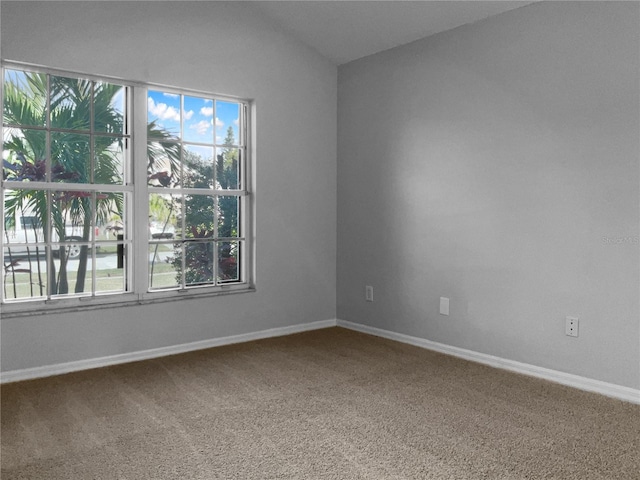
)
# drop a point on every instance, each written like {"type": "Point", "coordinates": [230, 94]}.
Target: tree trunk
{"type": "Point", "coordinates": [83, 259]}
{"type": "Point", "coordinates": [63, 281]}
{"type": "Point", "coordinates": [53, 280]}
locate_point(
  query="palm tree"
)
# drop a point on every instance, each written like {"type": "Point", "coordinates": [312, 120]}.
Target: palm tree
{"type": "Point", "coordinates": [200, 215]}
{"type": "Point", "coordinates": [72, 102]}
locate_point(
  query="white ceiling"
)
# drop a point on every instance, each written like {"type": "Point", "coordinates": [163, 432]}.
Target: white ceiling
{"type": "Point", "coordinates": [344, 31]}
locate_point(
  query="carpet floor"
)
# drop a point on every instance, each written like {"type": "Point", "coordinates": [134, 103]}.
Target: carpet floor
{"type": "Point", "coordinates": [327, 404]}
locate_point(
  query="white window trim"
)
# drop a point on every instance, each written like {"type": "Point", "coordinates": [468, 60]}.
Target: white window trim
{"type": "Point", "coordinates": [138, 208]}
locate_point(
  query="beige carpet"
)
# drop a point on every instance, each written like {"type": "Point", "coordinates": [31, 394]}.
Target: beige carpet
{"type": "Point", "coordinates": [329, 404]}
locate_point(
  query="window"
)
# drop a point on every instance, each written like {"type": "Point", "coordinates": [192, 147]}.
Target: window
{"type": "Point", "coordinates": [86, 216]}
{"type": "Point", "coordinates": [196, 184]}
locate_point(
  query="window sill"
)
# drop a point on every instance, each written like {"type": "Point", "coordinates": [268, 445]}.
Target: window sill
{"type": "Point", "coordinates": [84, 304]}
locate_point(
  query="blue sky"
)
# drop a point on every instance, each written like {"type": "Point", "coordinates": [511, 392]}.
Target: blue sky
{"type": "Point", "coordinates": [200, 123]}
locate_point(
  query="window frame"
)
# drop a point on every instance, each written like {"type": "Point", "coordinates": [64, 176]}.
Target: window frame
{"type": "Point", "coordinates": [136, 186]}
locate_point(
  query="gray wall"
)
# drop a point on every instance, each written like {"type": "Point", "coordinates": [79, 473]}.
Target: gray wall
{"type": "Point", "coordinates": [225, 49]}
{"type": "Point", "coordinates": [494, 164]}
{"type": "Point", "coordinates": [486, 164]}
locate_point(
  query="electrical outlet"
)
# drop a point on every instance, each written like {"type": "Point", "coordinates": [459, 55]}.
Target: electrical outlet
{"type": "Point", "coordinates": [571, 326]}
{"type": "Point", "coordinates": [368, 293]}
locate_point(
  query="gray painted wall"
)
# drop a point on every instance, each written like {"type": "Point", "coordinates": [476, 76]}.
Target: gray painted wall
{"type": "Point", "coordinates": [226, 49]}
{"type": "Point", "coordinates": [493, 164]}
{"type": "Point", "coordinates": [486, 164]}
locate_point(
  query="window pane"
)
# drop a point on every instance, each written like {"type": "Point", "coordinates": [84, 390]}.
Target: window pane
{"type": "Point", "coordinates": [25, 253]}
{"type": "Point", "coordinates": [109, 160]}
{"type": "Point", "coordinates": [163, 114]}
{"type": "Point", "coordinates": [228, 208]}
{"type": "Point", "coordinates": [199, 263]}
{"type": "Point", "coordinates": [69, 277]}
{"type": "Point", "coordinates": [228, 261]}
{"type": "Point", "coordinates": [198, 120]}
{"type": "Point", "coordinates": [70, 106]}
{"type": "Point", "coordinates": [25, 215]}
{"type": "Point", "coordinates": [110, 230]}
{"type": "Point", "coordinates": [108, 108]}
{"type": "Point", "coordinates": [164, 211]}
{"type": "Point", "coordinates": [111, 267]}
{"type": "Point", "coordinates": [199, 216]}
{"type": "Point", "coordinates": [163, 164]}
{"type": "Point", "coordinates": [165, 262]}
{"type": "Point", "coordinates": [70, 158]}
{"type": "Point", "coordinates": [24, 154]}
{"type": "Point", "coordinates": [110, 212]}
{"type": "Point", "coordinates": [227, 169]}
{"type": "Point", "coordinates": [23, 228]}
{"type": "Point", "coordinates": [71, 211]}
{"type": "Point", "coordinates": [25, 98]}
{"type": "Point", "coordinates": [25, 272]}
{"type": "Point", "coordinates": [198, 166]}
{"type": "Point", "coordinates": [227, 123]}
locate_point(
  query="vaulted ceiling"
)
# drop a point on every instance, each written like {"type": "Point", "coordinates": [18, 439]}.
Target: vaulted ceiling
{"type": "Point", "coordinates": [344, 31]}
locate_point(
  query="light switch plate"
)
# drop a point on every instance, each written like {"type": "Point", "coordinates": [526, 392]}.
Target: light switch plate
{"type": "Point", "coordinates": [444, 306]}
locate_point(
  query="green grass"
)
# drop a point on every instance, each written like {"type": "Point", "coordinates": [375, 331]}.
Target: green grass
{"type": "Point", "coordinates": [107, 280]}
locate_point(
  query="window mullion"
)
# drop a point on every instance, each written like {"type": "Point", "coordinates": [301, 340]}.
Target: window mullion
{"type": "Point", "coordinates": [48, 134]}
{"type": "Point", "coordinates": [216, 213]}
{"type": "Point", "coordinates": [248, 202]}
{"type": "Point", "coordinates": [48, 238]}
{"type": "Point", "coordinates": [137, 223]}
{"type": "Point", "coordinates": [92, 245]}
{"type": "Point", "coordinates": [48, 224]}
{"type": "Point", "coordinates": [183, 252]}
{"type": "Point", "coordinates": [2, 187]}
{"type": "Point", "coordinates": [92, 159]}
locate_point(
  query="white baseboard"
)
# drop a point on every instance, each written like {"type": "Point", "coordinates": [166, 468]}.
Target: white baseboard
{"type": "Point", "coordinates": [609, 389]}
{"type": "Point", "coordinates": [60, 368]}
{"type": "Point", "coordinates": [576, 381]}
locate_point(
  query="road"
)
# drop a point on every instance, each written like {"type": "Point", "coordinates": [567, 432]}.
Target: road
{"type": "Point", "coordinates": [104, 261]}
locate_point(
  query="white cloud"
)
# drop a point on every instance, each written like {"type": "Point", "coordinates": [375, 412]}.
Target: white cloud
{"type": "Point", "coordinates": [206, 111]}
{"type": "Point", "coordinates": [172, 95]}
{"type": "Point", "coordinates": [236, 122]}
{"type": "Point", "coordinates": [201, 127]}
{"type": "Point", "coordinates": [162, 110]}
{"type": "Point", "coordinates": [165, 112]}
{"type": "Point", "coordinates": [219, 123]}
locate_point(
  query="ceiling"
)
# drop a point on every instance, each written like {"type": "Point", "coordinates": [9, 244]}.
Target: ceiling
{"type": "Point", "coordinates": [343, 31]}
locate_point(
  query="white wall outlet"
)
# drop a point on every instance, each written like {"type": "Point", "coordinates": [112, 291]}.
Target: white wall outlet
{"type": "Point", "coordinates": [571, 326]}
{"type": "Point", "coordinates": [368, 293]}
{"type": "Point", "coordinates": [444, 306]}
